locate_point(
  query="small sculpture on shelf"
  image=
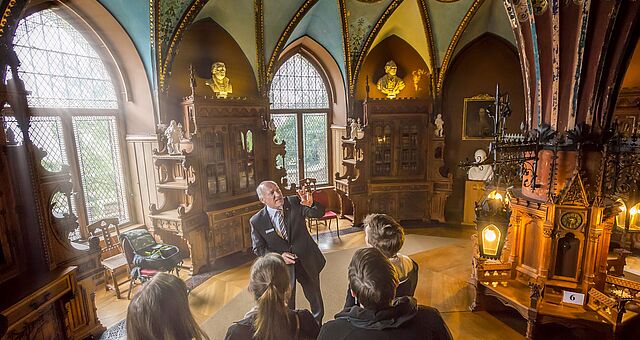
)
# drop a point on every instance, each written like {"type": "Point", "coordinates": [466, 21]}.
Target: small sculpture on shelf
{"type": "Point", "coordinates": [219, 82]}
{"type": "Point", "coordinates": [390, 84]}
{"type": "Point", "coordinates": [482, 172]}
{"type": "Point", "coordinates": [173, 133]}
{"type": "Point", "coordinates": [355, 131]}
{"type": "Point", "coordinates": [439, 123]}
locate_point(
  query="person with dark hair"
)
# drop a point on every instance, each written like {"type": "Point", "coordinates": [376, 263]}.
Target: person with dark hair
{"type": "Point", "coordinates": [280, 228]}
{"type": "Point", "coordinates": [271, 319]}
{"type": "Point", "coordinates": [373, 281]}
{"type": "Point", "coordinates": [147, 312]}
{"type": "Point", "coordinates": [382, 232]}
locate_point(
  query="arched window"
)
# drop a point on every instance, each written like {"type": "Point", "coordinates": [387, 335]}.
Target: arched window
{"type": "Point", "coordinates": [301, 112]}
{"type": "Point", "coordinates": [75, 113]}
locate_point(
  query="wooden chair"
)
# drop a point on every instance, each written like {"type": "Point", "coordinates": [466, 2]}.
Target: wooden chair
{"type": "Point", "coordinates": [112, 258]}
{"type": "Point", "coordinates": [322, 196]}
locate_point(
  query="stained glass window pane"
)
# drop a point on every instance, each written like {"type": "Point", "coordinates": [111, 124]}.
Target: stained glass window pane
{"type": "Point", "coordinates": [315, 146]}
{"type": "Point", "coordinates": [59, 66]}
{"type": "Point", "coordinates": [298, 85]}
{"type": "Point", "coordinates": [100, 167]}
{"type": "Point", "coordinates": [287, 130]}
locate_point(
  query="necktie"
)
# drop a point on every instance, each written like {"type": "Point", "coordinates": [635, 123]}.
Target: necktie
{"type": "Point", "coordinates": [280, 222]}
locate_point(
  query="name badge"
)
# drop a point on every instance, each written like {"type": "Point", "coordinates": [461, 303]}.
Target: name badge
{"type": "Point", "coordinates": [270, 230]}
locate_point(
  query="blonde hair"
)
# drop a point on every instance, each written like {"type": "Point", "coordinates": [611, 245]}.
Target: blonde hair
{"type": "Point", "coordinates": [161, 311]}
{"type": "Point", "coordinates": [269, 283]}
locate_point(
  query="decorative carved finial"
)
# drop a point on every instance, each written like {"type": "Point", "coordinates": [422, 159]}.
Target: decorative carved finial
{"type": "Point", "coordinates": [192, 80]}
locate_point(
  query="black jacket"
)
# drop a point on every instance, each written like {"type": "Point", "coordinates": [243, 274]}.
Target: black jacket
{"type": "Point", "coordinates": [403, 320]}
{"type": "Point", "coordinates": [265, 239]}
{"type": "Point", "coordinates": [406, 288]}
{"type": "Point", "coordinates": [305, 327]}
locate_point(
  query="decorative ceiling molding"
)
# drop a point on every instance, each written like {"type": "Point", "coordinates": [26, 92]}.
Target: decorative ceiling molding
{"type": "Point", "coordinates": [166, 33]}
{"type": "Point", "coordinates": [295, 20]}
{"type": "Point", "coordinates": [524, 61]}
{"type": "Point", "coordinates": [454, 42]}
{"type": "Point", "coordinates": [428, 32]}
{"type": "Point", "coordinates": [536, 60]}
{"type": "Point", "coordinates": [370, 38]}
{"type": "Point", "coordinates": [555, 60]}
{"type": "Point", "coordinates": [258, 12]}
{"type": "Point", "coordinates": [345, 43]}
{"type": "Point", "coordinates": [10, 17]}
{"type": "Point", "coordinates": [579, 57]}
{"type": "Point", "coordinates": [594, 106]}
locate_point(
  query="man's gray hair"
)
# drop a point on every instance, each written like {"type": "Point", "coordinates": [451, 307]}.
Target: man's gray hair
{"type": "Point", "coordinates": [260, 188]}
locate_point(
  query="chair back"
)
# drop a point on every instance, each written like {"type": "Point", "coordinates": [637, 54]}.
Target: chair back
{"type": "Point", "coordinates": [322, 198]}
{"type": "Point", "coordinates": [309, 182]}
{"type": "Point", "coordinates": [103, 228]}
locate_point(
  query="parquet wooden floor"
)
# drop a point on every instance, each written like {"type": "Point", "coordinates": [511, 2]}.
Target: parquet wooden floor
{"type": "Point", "coordinates": [446, 270]}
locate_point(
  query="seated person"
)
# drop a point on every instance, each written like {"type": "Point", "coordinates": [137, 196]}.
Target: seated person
{"type": "Point", "coordinates": [271, 319]}
{"type": "Point", "coordinates": [161, 311]}
{"type": "Point", "coordinates": [382, 232]}
{"type": "Point", "coordinates": [373, 281]}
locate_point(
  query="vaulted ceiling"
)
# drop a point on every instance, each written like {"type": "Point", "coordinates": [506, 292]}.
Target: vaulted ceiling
{"type": "Point", "coordinates": [348, 29]}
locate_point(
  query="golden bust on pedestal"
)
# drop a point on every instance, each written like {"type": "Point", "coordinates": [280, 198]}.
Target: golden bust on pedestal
{"type": "Point", "coordinates": [219, 83]}
{"type": "Point", "coordinates": [390, 84]}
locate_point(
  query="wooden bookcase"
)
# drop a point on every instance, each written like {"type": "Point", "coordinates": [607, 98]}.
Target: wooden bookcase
{"type": "Point", "coordinates": [209, 189]}
{"type": "Point", "coordinates": [394, 168]}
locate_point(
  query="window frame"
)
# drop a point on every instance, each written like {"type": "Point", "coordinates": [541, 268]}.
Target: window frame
{"type": "Point", "coordinates": [320, 68]}
{"type": "Point", "coordinates": [98, 43]}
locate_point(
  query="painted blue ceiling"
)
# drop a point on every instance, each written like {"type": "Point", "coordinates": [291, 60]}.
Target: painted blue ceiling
{"type": "Point", "coordinates": [134, 17]}
{"type": "Point", "coordinates": [276, 19]}
{"type": "Point", "coordinates": [322, 24]}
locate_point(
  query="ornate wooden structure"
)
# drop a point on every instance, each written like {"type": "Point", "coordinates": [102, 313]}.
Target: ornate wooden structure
{"type": "Point", "coordinates": [566, 183]}
{"type": "Point", "coordinates": [47, 282]}
{"type": "Point", "coordinates": [208, 189]}
{"type": "Point", "coordinates": [395, 167]}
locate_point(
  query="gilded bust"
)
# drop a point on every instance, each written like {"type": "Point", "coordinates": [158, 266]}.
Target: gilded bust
{"type": "Point", "coordinates": [390, 84]}
{"type": "Point", "coordinates": [219, 83]}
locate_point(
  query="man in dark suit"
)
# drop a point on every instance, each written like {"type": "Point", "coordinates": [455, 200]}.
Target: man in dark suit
{"type": "Point", "coordinates": [280, 228]}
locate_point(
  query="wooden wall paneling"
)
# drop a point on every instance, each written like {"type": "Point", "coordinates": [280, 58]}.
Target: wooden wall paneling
{"type": "Point", "coordinates": [143, 175]}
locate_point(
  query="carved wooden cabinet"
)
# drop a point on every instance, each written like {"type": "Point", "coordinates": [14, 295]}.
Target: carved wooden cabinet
{"type": "Point", "coordinates": [398, 173]}
{"type": "Point", "coordinates": [47, 283]}
{"type": "Point", "coordinates": [209, 189]}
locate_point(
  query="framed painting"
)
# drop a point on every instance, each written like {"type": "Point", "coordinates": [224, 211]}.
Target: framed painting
{"type": "Point", "coordinates": [476, 122]}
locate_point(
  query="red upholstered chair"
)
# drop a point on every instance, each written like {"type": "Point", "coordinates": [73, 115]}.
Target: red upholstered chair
{"type": "Point", "coordinates": [322, 196]}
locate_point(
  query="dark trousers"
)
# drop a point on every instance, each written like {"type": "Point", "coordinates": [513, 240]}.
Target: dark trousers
{"type": "Point", "coordinates": [311, 288]}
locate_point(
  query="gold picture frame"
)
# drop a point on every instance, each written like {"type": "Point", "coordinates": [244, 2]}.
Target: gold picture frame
{"type": "Point", "coordinates": [476, 123]}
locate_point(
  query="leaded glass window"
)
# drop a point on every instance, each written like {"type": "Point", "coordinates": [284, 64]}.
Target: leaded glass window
{"type": "Point", "coordinates": [75, 115]}
{"type": "Point", "coordinates": [59, 66]}
{"type": "Point", "coordinates": [300, 111]}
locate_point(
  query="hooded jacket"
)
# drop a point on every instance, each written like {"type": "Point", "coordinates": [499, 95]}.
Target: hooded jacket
{"type": "Point", "coordinates": [405, 319]}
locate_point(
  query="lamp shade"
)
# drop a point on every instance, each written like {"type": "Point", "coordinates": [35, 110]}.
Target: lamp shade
{"type": "Point", "coordinates": [492, 222]}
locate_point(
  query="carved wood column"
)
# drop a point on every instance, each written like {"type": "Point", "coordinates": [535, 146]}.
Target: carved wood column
{"type": "Point", "coordinates": [546, 245]}
{"type": "Point", "coordinates": [579, 82]}
{"type": "Point", "coordinates": [513, 236]}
